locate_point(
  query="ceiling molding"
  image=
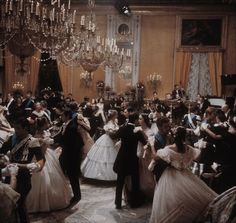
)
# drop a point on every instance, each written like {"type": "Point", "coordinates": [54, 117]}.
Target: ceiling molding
{"type": "Point", "coordinates": [176, 10]}
{"type": "Point", "coordinates": [160, 2]}
{"type": "Point", "coordinates": [160, 9]}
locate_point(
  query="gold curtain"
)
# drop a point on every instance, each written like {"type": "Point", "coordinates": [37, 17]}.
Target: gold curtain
{"type": "Point", "coordinates": [64, 72]}
{"type": "Point", "coordinates": [215, 69]}
{"type": "Point", "coordinates": [29, 80]}
{"type": "Point", "coordinates": [34, 71]}
{"type": "Point", "coordinates": [9, 77]}
{"type": "Point", "coordinates": [182, 68]}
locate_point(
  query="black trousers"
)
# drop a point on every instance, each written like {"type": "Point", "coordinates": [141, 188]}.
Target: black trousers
{"type": "Point", "coordinates": [134, 198]}
{"type": "Point", "coordinates": [74, 182]}
{"type": "Point", "coordinates": [22, 211]}
{"type": "Point", "coordinates": [72, 170]}
{"type": "Point", "coordinates": [23, 188]}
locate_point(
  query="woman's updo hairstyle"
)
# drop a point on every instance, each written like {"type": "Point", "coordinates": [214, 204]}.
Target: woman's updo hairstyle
{"type": "Point", "coordinates": [111, 113]}
{"type": "Point", "coordinates": [41, 122]}
{"type": "Point", "coordinates": [146, 119]}
{"type": "Point", "coordinates": [179, 138]}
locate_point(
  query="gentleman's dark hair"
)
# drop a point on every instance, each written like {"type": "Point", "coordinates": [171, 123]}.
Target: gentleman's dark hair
{"type": "Point", "coordinates": [133, 117]}
{"type": "Point", "coordinates": [23, 122]}
{"type": "Point", "coordinates": [161, 121]}
{"type": "Point", "coordinates": [130, 110]}
{"type": "Point", "coordinates": [67, 112]}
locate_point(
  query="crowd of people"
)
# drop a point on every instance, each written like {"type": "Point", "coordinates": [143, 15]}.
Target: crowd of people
{"type": "Point", "coordinates": [181, 158]}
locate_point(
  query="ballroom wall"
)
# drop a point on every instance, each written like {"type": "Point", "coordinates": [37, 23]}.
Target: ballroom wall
{"type": "Point", "coordinates": [159, 43]}
{"type": "Point", "coordinates": [158, 47]}
{"type": "Point", "coordinates": [157, 51]}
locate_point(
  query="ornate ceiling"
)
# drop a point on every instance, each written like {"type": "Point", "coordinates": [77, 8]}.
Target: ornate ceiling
{"type": "Point", "coordinates": [160, 2]}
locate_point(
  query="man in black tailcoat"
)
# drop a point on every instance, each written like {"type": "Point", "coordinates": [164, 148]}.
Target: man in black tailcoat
{"type": "Point", "coordinates": [71, 143]}
{"type": "Point", "coordinates": [162, 138]}
{"type": "Point", "coordinates": [178, 92]}
{"type": "Point", "coordinates": [28, 103]}
{"type": "Point", "coordinates": [126, 163]}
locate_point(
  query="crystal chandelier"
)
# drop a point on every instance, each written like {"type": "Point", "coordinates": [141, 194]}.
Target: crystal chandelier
{"type": "Point", "coordinates": [27, 25]}
{"type": "Point", "coordinates": [90, 50]}
{"type": "Point", "coordinates": [85, 47]}
{"type": "Point", "coordinates": [153, 80]}
{"type": "Point", "coordinates": [115, 59]}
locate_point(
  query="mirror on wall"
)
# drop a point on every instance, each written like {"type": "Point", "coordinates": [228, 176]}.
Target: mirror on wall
{"type": "Point", "coordinates": [123, 29]}
{"type": "Point", "coordinates": [126, 32]}
{"type": "Point", "coordinates": [123, 78]}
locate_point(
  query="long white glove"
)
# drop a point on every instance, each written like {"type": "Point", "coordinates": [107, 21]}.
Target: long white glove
{"type": "Point", "coordinates": [204, 126]}
{"type": "Point", "coordinates": [13, 169]}
{"type": "Point", "coordinates": [200, 144]}
{"type": "Point", "coordinates": [5, 172]}
{"type": "Point", "coordinates": [151, 165]}
{"type": "Point", "coordinates": [33, 167]}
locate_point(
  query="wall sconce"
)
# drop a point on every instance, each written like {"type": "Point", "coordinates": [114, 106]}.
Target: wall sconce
{"type": "Point", "coordinates": [86, 79]}
{"type": "Point", "coordinates": [153, 80]}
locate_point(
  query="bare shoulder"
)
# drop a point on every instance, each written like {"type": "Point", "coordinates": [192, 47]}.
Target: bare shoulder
{"type": "Point", "coordinates": [171, 147]}
{"type": "Point", "coordinates": [188, 147]}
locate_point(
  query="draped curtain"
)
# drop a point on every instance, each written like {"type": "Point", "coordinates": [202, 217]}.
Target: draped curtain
{"type": "Point", "coordinates": [199, 73]}
{"type": "Point", "coordinates": [215, 69]}
{"type": "Point", "coordinates": [199, 81]}
{"type": "Point", "coordinates": [64, 72]}
{"type": "Point", "coordinates": [34, 71]}
{"type": "Point", "coordinates": [28, 80]}
{"type": "Point", "coordinates": [183, 64]}
{"type": "Point", "coordinates": [9, 77]}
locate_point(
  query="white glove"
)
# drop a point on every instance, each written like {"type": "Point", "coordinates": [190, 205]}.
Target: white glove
{"type": "Point", "coordinates": [197, 131]}
{"type": "Point", "coordinates": [33, 167]}
{"type": "Point", "coordinates": [136, 129]}
{"type": "Point", "coordinates": [13, 169]}
{"type": "Point", "coordinates": [48, 141]}
{"type": "Point", "coordinates": [168, 114]}
{"type": "Point", "coordinates": [144, 153]}
{"type": "Point", "coordinates": [214, 166]}
{"type": "Point", "coordinates": [151, 165]}
{"type": "Point", "coordinates": [204, 126]}
{"type": "Point", "coordinates": [200, 144]}
{"type": "Point", "coordinates": [5, 172]}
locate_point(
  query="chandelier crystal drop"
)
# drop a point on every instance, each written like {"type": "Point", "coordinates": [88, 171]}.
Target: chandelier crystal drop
{"type": "Point", "coordinates": [45, 26]}
{"type": "Point", "coordinates": [89, 50]}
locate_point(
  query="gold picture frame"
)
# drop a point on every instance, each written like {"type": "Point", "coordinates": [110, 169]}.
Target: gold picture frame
{"type": "Point", "coordinates": [202, 33]}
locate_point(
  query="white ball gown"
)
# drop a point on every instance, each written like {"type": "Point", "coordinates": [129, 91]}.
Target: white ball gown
{"type": "Point", "coordinates": [99, 161]}
{"type": "Point", "coordinates": [5, 128]}
{"type": "Point", "coordinates": [180, 196]}
{"type": "Point", "coordinates": [50, 189]}
{"type": "Point", "coordinates": [147, 182]}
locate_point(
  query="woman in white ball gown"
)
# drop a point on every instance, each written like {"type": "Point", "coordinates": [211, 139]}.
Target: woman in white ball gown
{"type": "Point", "coordinates": [99, 161]}
{"type": "Point", "coordinates": [180, 196]}
{"type": "Point", "coordinates": [147, 182]}
{"type": "Point", "coordinates": [50, 189]}
{"type": "Point", "coordinates": [84, 128]}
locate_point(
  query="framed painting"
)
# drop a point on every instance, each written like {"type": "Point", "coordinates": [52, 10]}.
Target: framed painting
{"type": "Point", "coordinates": [202, 33]}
